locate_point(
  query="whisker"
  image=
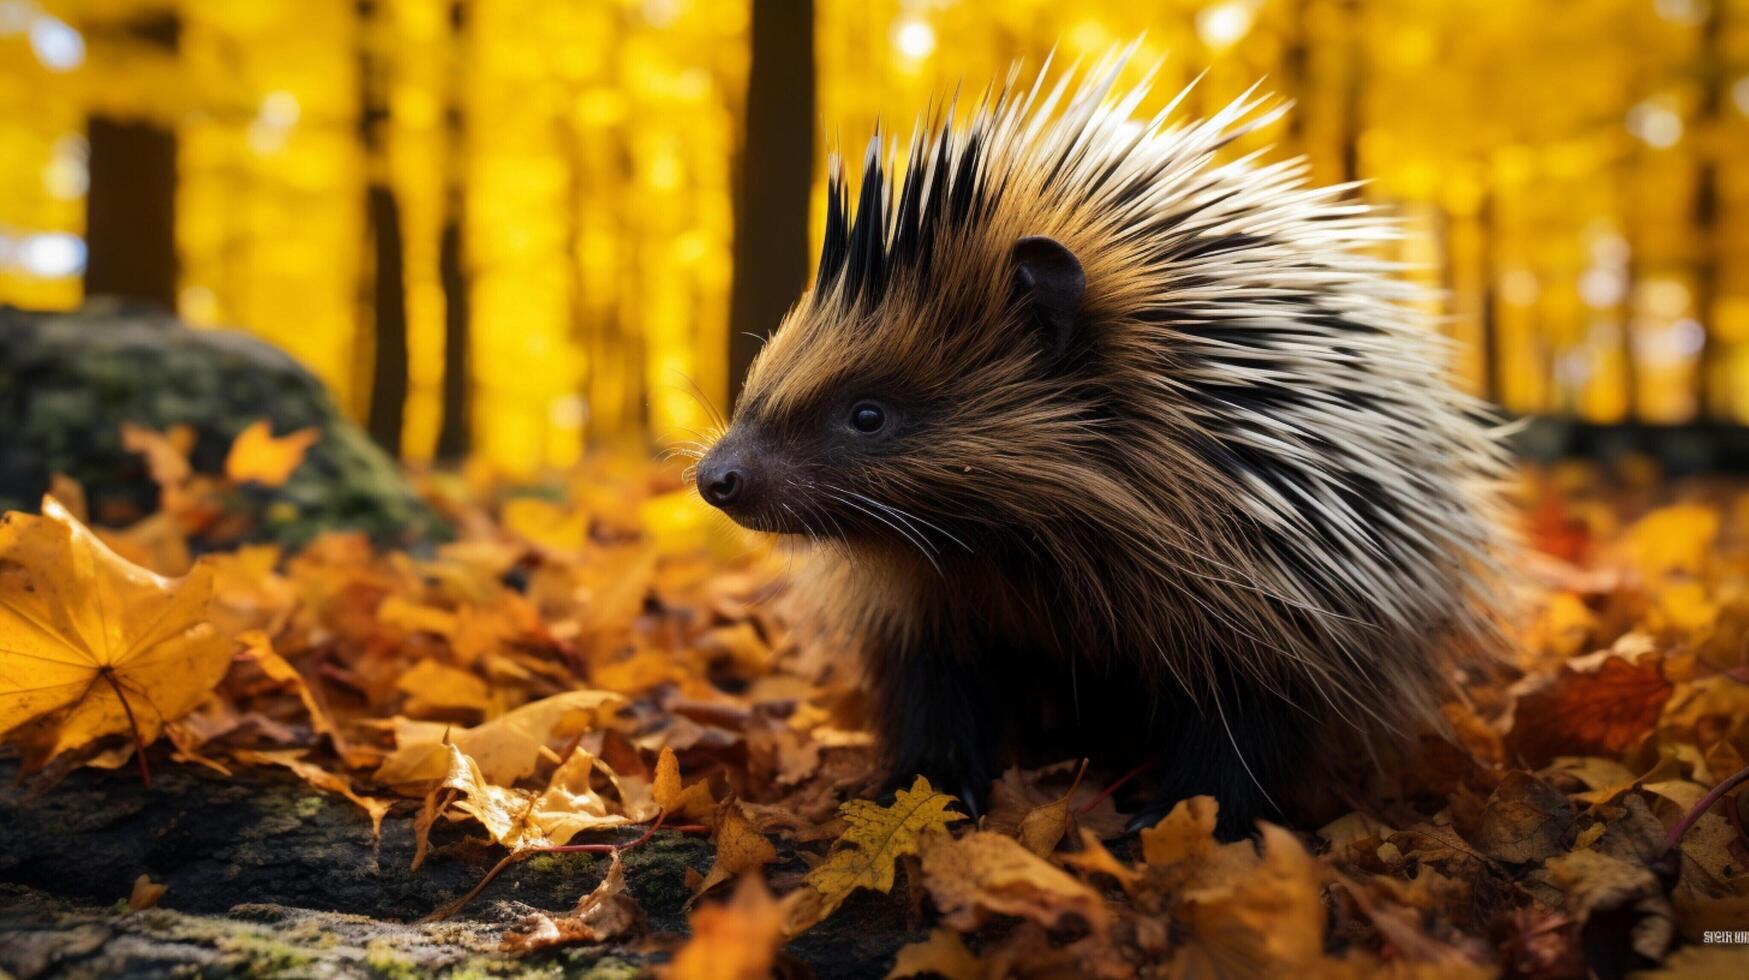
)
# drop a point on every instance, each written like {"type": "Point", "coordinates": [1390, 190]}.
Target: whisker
{"type": "Point", "coordinates": [908, 516]}
{"type": "Point", "coordinates": [922, 545]}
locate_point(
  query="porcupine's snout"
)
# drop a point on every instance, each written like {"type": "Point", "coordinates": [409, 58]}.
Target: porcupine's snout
{"type": "Point", "coordinates": [745, 482]}
{"type": "Point", "coordinates": [724, 477]}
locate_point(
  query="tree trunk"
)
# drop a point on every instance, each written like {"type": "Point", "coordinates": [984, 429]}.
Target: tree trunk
{"type": "Point", "coordinates": [771, 219]}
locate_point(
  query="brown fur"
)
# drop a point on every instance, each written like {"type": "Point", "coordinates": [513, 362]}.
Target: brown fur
{"type": "Point", "coordinates": [1246, 489]}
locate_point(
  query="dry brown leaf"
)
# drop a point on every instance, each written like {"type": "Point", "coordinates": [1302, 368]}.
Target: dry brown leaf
{"type": "Point", "coordinates": [146, 893]}
{"type": "Point", "coordinates": [605, 913]}
{"type": "Point", "coordinates": [984, 874]}
{"type": "Point", "coordinates": [740, 847]}
{"type": "Point", "coordinates": [1524, 821]}
{"type": "Point", "coordinates": [737, 940]}
{"type": "Point", "coordinates": [1043, 827]}
{"type": "Point", "coordinates": [91, 645]}
{"type": "Point", "coordinates": [258, 456]}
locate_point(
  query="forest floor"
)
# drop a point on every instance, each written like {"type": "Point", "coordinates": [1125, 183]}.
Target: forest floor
{"type": "Point", "coordinates": [582, 738]}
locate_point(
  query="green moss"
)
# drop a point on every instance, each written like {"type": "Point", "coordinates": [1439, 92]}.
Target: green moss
{"type": "Point", "coordinates": [263, 956]}
{"type": "Point", "coordinates": [383, 960]}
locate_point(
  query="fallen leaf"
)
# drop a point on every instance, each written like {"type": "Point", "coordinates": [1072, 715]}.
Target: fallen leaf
{"type": "Point", "coordinates": [1187, 832]}
{"type": "Point", "coordinates": [258, 648]}
{"type": "Point", "coordinates": [91, 645]}
{"type": "Point", "coordinates": [1525, 820]}
{"type": "Point", "coordinates": [505, 748]}
{"type": "Point", "coordinates": [320, 778]}
{"type": "Point", "coordinates": [874, 839]}
{"type": "Point", "coordinates": [943, 954]}
{"type": "Point", "coordinates": [1263, 921]}
{"type": "Point", "coordinates": [605, 913]}
{"type": "Point", "coordinates": [1620, 906]}
{"type": "Point", "coordinates": [165, 453]}
{"type": "Point", "coordinates": [1602, 712]}
{"type": "Point", "coordinates": [740, 847]}
{"type": "Point", "coordinates": [520, 819]}
{"type": "Point", "coordinates": [438, 686]}
{"type": "Point", "coordinates": [737, 940]}
{"type": "Point", "coordinates": [1043, 827]}
{"type": "Point", "coordinates": [257, 456]}
{"type": "Point", "coordinates": [146, 893]}
{"type": "Point", "coordinates": [1093, 858]}
{"type": "Point", "coordinates": [692, 802]}
{"type": "Point", "coordinates": [984, 874]}
{"type": "Point", "coordinates": [1672, 539]}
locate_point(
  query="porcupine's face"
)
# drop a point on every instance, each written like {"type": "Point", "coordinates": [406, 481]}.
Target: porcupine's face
{"type": "Point", "coordinates": [890, 421]}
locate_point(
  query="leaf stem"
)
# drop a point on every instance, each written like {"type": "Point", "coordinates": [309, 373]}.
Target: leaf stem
{"type": "Point", "coordinates": [1147, 764]}
{"type": "Point", "coordinates": [134, 726]}
{"type": "Point", "coordinates": [1725, 786]}
{"type": "Point", "coordinates": [514, 856]}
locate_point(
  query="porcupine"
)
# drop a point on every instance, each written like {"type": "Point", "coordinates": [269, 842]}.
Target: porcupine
{"type": "Point", "coordinates": [1112, 446]}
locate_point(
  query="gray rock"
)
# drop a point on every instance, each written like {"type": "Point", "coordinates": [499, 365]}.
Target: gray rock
{"type": "Point", "coordinates": [68, 381]}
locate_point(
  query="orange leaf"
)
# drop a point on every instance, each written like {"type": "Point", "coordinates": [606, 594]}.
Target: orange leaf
{"type": "Point", "coordinates": [734, 941]}
{"type": "Point", "coordinates": [740, 847]}
{"type": "Point", "coordinates": [1601, 712]}
{"type": "Point", "coordinates": [944, 954]}
{"type": "Point", "coordinates": [693, 801]}
{"type": "Point", "coordinates": [1255, 922]}
{"type": "Point", "coordinates": [146, 893]}
{"type": "Point", "coordinates": [165, 453]}
{"type": "Point", "coordinates": [92, 645]}
{"type": "Point", "coordinates": [1187, 832]}
{"type": "Point", "coordinates": [257, 456]}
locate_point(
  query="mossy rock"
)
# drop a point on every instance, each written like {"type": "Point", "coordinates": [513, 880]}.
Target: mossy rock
{"type": "Point", "coordinates": [69, 381]}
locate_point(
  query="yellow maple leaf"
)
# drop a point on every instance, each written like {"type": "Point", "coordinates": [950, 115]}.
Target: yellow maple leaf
{"type": "Point", "coordinates": [874, 839]}
{"type": "Point", "coordinates": [92, 645]}
{"type": "Point", "coordinates": [258, 456]}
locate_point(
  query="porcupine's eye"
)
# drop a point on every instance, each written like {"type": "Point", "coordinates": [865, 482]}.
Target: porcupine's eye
{"type": "Point", "coordinates": [867, 417]}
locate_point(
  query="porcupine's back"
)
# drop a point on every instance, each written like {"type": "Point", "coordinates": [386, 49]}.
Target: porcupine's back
{"type": "Point", "coordinates": [1253, 465]}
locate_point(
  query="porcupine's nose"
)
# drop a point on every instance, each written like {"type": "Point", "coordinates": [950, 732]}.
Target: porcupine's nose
{"type": "Point", "coordinates": [722, 482]}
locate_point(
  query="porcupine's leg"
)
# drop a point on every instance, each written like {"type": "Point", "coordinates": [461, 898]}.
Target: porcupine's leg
{"type": "Point", "coordinates": [937, 719]}
{"type": "Point", "coordinates": [1243, 754]}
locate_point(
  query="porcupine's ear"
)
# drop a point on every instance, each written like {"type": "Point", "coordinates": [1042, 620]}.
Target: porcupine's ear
{"type": "Point", "coordinates": [1049, 281]}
